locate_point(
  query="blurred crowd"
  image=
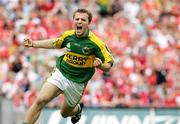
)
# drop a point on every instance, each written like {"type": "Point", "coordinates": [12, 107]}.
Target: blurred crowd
{"type": "Point", "coordinates": [143, 36]}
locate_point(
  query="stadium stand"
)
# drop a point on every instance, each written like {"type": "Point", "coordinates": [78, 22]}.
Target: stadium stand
{"type": "Point", "coordinates": [143, 37]}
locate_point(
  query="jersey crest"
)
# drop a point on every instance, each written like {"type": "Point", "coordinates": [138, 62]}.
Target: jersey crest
{"type": "Point", "coordinates": [86, 50]}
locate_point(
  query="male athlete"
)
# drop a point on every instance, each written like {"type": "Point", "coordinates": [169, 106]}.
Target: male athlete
{"type": "Point", "coordinates": [84, 52]}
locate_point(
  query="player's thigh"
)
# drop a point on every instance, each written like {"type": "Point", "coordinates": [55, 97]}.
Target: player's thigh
{"type": "Point", "coordinates": [48, 92]}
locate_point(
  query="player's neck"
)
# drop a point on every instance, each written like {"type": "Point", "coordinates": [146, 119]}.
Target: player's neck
{"type": "Point", "coordinates": [85, 34]}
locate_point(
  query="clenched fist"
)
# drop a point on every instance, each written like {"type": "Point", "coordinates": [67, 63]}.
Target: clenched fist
{"type": "Point", "coordinates": [28, 43]}
{"type": "Point", "coordinates": [97, 62]}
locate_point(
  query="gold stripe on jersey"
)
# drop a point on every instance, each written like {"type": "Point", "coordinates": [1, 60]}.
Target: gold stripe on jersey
{"type": "Point", "coordinates": [79, 61]}
{"type": "Point", "coordinates": [58, 42]}
{"type": "Point", "coordinates": [107, 56]}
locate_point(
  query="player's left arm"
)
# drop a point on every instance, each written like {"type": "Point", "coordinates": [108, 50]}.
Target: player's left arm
{"type": "Point", "coordinates": [103, 66]}
{"type": "Point", "coordinates": [104, 60]}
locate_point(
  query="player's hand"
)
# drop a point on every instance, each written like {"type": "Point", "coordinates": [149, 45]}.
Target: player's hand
{"type": "Point", "coordinates": [97, 62]}
{"type": "Point", "coordinates": [28, 43]}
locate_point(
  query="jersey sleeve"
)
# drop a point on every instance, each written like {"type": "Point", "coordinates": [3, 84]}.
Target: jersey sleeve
{"type": "Point", "coordinates": [57, 43]}
{"type": "Point", "coordinates": [102, 51]}
{"type": "Point", "coordinates": [104, 54]}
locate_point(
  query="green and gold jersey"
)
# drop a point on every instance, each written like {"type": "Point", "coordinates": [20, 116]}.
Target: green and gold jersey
{"type": "Point", "coordinates": [77, 63]}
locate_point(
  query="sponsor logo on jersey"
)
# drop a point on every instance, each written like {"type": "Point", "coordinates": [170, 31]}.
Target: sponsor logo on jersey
{"type": "Point", "coordinates": [78, 60]}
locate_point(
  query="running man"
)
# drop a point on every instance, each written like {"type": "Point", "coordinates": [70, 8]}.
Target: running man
{"type": "Point", "coordinates": [84, 52]}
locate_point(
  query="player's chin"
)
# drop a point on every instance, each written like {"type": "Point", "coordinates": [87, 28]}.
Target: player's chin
{"type": "Point", "coordinates": [79, 33]}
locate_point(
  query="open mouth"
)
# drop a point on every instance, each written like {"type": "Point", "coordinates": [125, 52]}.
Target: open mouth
{"type": "Point", "coordinates": [79, 27]}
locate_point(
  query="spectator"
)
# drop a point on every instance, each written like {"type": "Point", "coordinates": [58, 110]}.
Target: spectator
{"type": "Point", "coordinates": [145, 45]}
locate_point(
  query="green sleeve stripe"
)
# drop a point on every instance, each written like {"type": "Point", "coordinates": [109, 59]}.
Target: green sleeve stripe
{"type": "Point", "coordinates": [107, 56]}
{"type": "Point", "coordinates": [57, 43]}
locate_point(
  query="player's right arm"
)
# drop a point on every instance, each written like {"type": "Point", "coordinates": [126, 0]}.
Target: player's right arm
{"type": "Point", "coordinates": [48, 44]}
